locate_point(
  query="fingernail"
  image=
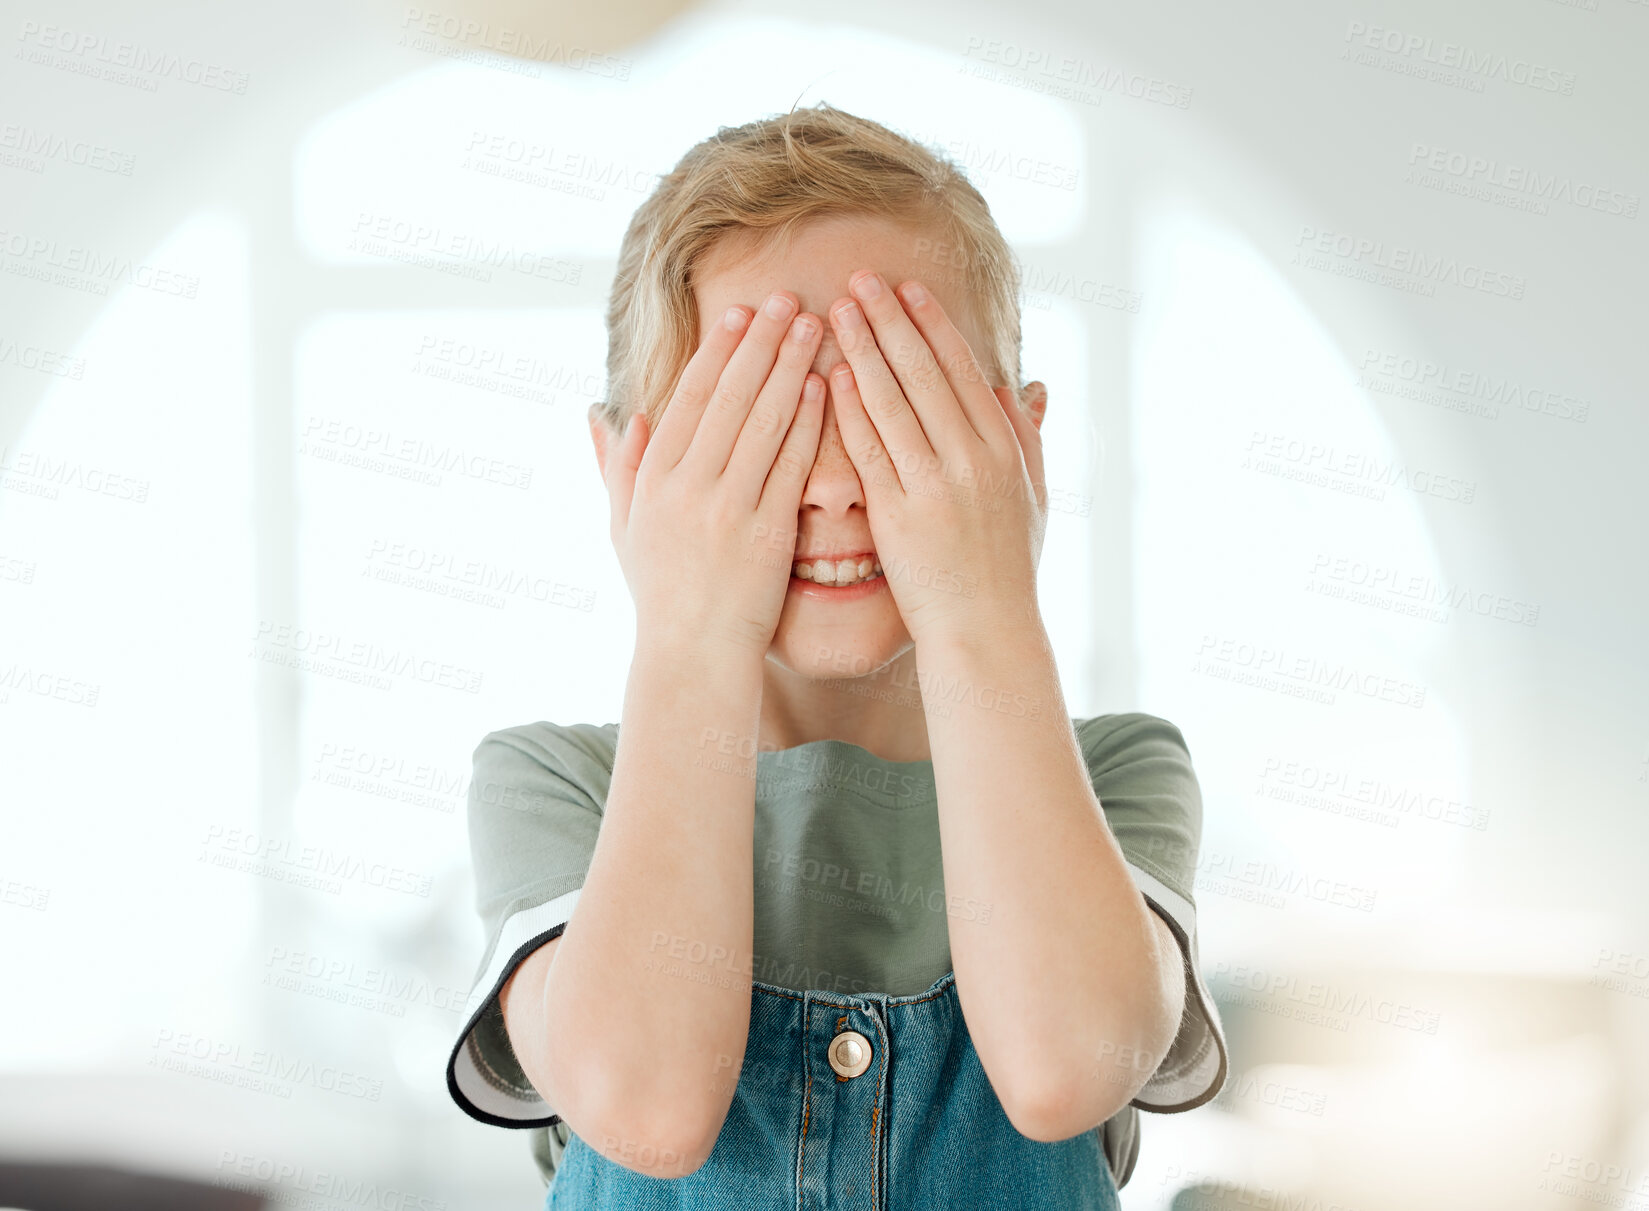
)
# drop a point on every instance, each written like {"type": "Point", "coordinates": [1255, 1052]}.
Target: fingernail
{"type": "Point", "coordinates": [778, 307]}
{"type": "Point", "coordinates": [848, 315]}
{"type": "Point", "coordinates": [867, 287]}
{"type": "Point", "coordinates": [914, 294]}
{"type": "Point", "coordinates": [734, 319]}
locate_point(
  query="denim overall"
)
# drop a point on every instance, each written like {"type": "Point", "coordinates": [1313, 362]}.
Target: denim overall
{"type": "Point", "coordinates": [920, 1128]}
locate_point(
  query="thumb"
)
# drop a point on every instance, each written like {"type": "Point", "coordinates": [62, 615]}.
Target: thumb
{"type": "Point", "coordinates": [1028, 429]}
{"type": "Point", "coordinates": [1018, 417]}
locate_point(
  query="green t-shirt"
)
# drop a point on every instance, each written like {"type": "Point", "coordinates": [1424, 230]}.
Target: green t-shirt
{"type": "Point", "coordinates": [849, 887]}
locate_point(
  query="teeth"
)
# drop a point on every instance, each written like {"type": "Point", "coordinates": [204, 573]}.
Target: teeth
{"type": "Point", "coordinates": [839, 572]}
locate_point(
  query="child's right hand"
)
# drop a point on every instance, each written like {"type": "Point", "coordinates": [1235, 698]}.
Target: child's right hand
{"type": "Point", "coordinates": [704, 510]}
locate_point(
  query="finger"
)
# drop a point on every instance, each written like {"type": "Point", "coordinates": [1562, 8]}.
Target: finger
{"type": "Point", "coordinates": [770, 417]}
{"type": "Point", "coordinates": [787, 480]}
{"type": "Point", "coordinates": [622, 464]}
{"type": "Point", "coordinates": [877, 473]}
{"type": "Point", "coordinates": [1030, 441]}
{"type": "Point", "coordinates": [925, 385]}
{"type": "Point", "coordinates": [881, 397]}
{"type": "Point", "coordinates": [695, 386]}
{"type": "Point", "coordinates": [954, 357]}
{"type": "Point", "coordinates": [740, 384]}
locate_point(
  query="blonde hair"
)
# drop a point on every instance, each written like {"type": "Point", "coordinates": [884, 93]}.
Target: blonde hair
{"type": "Point", "coordinates": [767, 177]}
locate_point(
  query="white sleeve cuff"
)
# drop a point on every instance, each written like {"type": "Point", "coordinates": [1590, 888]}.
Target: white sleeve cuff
{"type": "Point", "coordinates": [476, 1084]}
{"type": "Point", "coordinates": [1194, 1069]}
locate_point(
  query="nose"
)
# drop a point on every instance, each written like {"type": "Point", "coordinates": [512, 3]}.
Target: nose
{"type": "Point", "coordinates": [833, 483]}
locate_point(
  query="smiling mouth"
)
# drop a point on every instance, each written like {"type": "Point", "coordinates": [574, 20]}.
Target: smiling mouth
{"type": "Point", "coordinates": [837, 573]}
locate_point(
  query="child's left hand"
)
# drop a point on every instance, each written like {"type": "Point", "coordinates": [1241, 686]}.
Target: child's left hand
{"type": "Point", "coordinates": [951, 467]}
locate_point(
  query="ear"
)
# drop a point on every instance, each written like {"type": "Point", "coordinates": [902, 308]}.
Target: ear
{"type": "Point", "coordinates": [599, 435]}
{"type": "Point", "coordinates": [1036, 396]}
{"type": "Point", "coordinates": [1036, 401]}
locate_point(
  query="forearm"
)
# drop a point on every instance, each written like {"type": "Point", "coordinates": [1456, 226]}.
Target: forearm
{"type": "Point", "coordinates": [1063, 984]}
{"type": "Point", "coordinates": [650, 990]}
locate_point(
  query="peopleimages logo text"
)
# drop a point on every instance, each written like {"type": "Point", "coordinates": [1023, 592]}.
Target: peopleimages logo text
{"type": "Point", "coordinates": [1447, 270]}
{"type": "Point", "coordinates": [1472, 62]}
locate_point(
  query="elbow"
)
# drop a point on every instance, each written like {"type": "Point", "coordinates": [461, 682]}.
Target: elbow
{"type": "Point", "coordinates": [1077, 1093]}
{"type": "Point", "coordinates": [653, 1131]}
{"type": "Point", "coordinates": [1066, 1092]}
{"type": "Point", "coordinates": [1041, 1103]}
{"type": "Point", "coordinates": [665, 1147]}
{"type": "Point", "coordinates": [1060, 1109]}
{"type": "Point", "coordinates": [1037, 1119]}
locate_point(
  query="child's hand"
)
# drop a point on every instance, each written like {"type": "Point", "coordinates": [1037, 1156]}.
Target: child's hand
{"type": "Point", "coordinates": [704, 510]}
{"type": "Point", "coordinates": [952, 470]}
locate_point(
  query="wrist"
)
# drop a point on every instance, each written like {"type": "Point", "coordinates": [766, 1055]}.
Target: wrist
{"type": "Point", "coordinates": [987, 632]}
{"type": "Point", "coordinates": [1011, 673]}
{"type": "Point", "coordinates": [700, 655]}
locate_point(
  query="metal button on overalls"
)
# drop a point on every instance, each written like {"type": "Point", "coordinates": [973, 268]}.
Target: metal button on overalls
{"type": "Point", "coordinates": [853, 1102]}
{"type": "Point", "coordinates": [849, 1053]}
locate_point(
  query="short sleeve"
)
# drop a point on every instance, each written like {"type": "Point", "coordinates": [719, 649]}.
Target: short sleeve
{"type": "Point", "coordinates": [1142, 774]}
{"type": "Point", "coordinates": [535, 805]}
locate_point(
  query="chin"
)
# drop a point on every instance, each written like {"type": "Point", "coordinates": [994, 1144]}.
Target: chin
{"type": "Point", "coordinates": [826, 654]}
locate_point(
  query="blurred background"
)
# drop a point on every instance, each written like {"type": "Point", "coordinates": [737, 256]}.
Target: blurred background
{"type": "Point", "coordinates": [1342, 312]}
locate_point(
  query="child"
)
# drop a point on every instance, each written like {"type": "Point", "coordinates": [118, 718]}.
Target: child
{"type": "Point", "coordinates": [838, 918]}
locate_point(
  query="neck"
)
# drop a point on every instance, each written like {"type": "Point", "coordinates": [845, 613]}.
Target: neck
{"type": "Point", "coordinates": [880, 711]}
